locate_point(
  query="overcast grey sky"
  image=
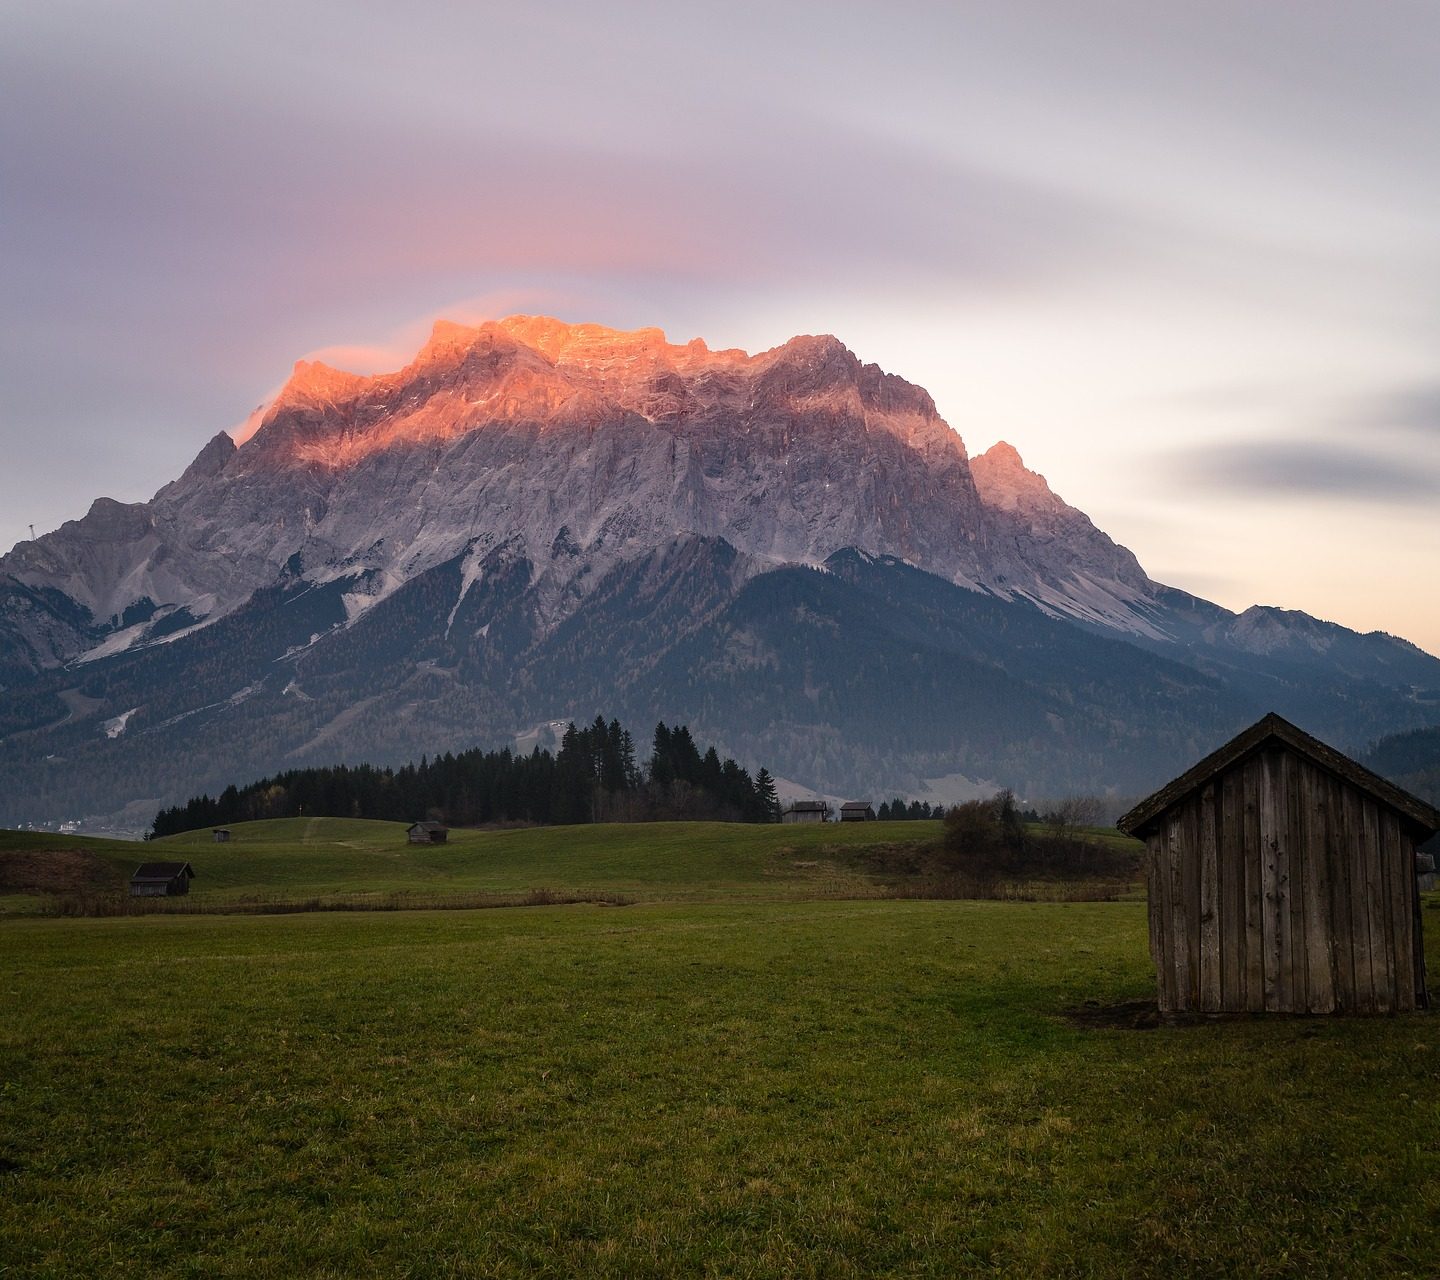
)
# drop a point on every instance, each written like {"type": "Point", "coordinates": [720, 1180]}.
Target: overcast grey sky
{"type": "Point", "coordinates": [1185, 257]}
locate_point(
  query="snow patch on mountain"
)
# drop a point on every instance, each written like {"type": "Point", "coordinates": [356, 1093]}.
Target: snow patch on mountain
{"type": "Point", "coordinates": [378, 586]}
{"type": "Point", "coordinates": [115, 726]}
{"type": "Point", "coordinates": [471, 571]}
{"type": "Point", "coordinates": [115, 642]}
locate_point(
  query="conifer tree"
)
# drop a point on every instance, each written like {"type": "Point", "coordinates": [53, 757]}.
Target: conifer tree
{"type": "Point", "coordinates": [769, 800]}
{"type": "Point", "coordinates": [662, 767]}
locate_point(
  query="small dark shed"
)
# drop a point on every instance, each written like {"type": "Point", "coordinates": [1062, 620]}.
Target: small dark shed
{"type": "Point", "coordinates": [857, 811]}
{"type": "Point", "coordinates": [1281, 879]}
{"type": "Point", "coordinates": [221, 835]}
{"type": "Point", "coordinates": [161, 879]}
{"type": "Point", "coordinates": [428, 833]}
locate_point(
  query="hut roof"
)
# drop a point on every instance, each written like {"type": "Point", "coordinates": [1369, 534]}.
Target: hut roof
{"type": "Point", "coordinates": [806, 806]}
{"type": "Point", "coordinates": [1424, 818]}
{"type": "Point", "coordinates": [855, 804]}
{"type": "Point", "coordinates": [162, 870]}
{"type": "Point", "coordinates": [427, 826]}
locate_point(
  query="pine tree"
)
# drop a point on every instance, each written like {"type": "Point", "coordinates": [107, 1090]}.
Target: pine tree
{"type": "Point", "coordinates": [685, 756]}
{"type": "Point", "coordinates": [662, 766]}
{"type": "Point", "coordinates": [769, 800]}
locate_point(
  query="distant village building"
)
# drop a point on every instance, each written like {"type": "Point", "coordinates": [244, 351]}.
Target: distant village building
{"type": "Point", "coordinates": [806, 811]}
{"type": "Point", "coordinates": [1282, 879]}
{"type": "Point", "coordinates": [161, 879]}
{"type": "Point", "coordinates": [428, 833]}
{"type": "Point", "coordinates": [221, 835]}
{"type": "Point", "coordinates": [857, 811]}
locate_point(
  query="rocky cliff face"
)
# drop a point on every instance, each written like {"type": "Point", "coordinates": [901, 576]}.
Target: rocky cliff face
{"type": "Point", "coordinates": [582, 447]}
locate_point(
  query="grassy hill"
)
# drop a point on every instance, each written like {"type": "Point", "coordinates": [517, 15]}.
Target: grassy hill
{"type": "Point", "coordinates": [294, 858]}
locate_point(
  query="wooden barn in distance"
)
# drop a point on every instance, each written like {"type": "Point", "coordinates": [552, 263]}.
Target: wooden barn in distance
{"type": "Point", "coordinates": [1281, 878]}
{"type": "Point", "coordinates": [427, 832]}
{"type": "Point", "coordinates": [161, 879]}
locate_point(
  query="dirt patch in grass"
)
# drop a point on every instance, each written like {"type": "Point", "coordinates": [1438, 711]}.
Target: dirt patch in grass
{"type": "Point", "coordinates": [103, 905]}
{"type": "Point", "coordinates": [1145, 1015]}
{"type": "Point", "coordinates": [1128, 1015]}
{"type": "Point", "coordinates": [56, 871]}
{"type": "Point", "coordinates": [921, 870]}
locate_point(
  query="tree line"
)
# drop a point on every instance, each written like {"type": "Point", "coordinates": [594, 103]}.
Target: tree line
{"type": "Point", "coordinates": [897, 810]}
{"type": "Point", "coordinates": [594, 776]}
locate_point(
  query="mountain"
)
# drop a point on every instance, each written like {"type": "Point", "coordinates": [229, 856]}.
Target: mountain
{"type": "Point", "coordinates": [1410, 760]}
{"type": "Point", "coordinates": [532, 520]}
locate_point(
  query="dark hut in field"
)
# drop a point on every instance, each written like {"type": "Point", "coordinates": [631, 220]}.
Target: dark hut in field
{"type": "Point", "coordinates": [161, 879]}
{"type": "Point", "coordinates": [221, 835]}
{"type": "Point", "coordinates": [857, 811]}
{"type": "Point", "coordinates": [1281, 879]}
{"type": "Point", "coordinates": [806, 811]}
{"type": "Point", "coordinates": [428, 833]}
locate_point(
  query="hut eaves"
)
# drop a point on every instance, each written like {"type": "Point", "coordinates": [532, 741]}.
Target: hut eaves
{"type": "Point", "coordinates": [162, 871]}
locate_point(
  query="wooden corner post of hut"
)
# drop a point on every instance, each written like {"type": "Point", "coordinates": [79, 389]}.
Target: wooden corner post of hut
{"type": "Point", "coordinates": [1281, 878]}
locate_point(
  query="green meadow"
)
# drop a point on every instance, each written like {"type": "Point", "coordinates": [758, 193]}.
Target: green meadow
{"type": "Point", "coordinates": [290, 858]}
{"type": "Point", "coordinates": [759, 1068]}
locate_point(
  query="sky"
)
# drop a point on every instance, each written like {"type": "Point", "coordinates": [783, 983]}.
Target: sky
{"type": "Point", "coordinates": [1184, 257]}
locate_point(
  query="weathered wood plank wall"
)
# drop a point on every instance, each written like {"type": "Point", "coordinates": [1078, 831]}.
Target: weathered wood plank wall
{"type": "Point", "coordinates": [1278, 886]}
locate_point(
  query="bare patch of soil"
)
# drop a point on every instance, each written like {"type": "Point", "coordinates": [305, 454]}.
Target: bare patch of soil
{"type": "Point", "coordinates": [1128, 1015]}
{"type": "Point", "coordinates": [56, 871]}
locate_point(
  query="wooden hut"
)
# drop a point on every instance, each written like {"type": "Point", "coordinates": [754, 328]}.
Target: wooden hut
{"type": "Point", "coordinates": [221, 835]}
{"type": "Point", "coordinates": [161, 879]}
{"type": "Point", "coordinates": [806, 811]}
{"type": "Point", "coordinates": [857, 811]}
{"type": "Point", "coordinates": [1425, 875]}
{"type": "Point", "coordinates": [1281, 878]}
{"type": "Point", "coordinates": [428, 832]}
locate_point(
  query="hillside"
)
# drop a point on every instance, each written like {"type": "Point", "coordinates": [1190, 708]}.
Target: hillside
{"type": "Point", "coordinates": [1412, 760]}
{"type": "Point", "coordinates": [299, 858]}
{"type": "Point", "coordinates": [362, 863]}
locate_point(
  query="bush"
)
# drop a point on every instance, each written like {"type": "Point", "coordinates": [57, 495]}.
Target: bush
{"type": "Point", "coordinates": [986, 839]}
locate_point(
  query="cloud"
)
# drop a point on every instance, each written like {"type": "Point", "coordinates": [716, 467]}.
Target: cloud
{"type": "Point", "coordinates": [1306, 469]}
{"type": "Point", "coordinates": [1413, 409]}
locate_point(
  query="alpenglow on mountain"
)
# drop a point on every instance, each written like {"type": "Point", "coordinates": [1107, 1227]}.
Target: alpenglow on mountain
{"type": "Point", "coordinates": [535, 521]}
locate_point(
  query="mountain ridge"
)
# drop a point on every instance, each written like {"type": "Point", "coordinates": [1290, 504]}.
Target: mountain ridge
{"type": "Point", "coordinates": [474, 537]}
{"type": "Point", "coordinates": [761, 449]}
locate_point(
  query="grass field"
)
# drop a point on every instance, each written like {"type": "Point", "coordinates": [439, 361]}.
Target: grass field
{"type": "Point", "coordinates": [670, 861]}
{"type": "Point", "coordinates": [360, 862]}
{"type": "Point", "coordinates": [741, 1075]}
{"type": "Point", "coordinates": [771, 1089]}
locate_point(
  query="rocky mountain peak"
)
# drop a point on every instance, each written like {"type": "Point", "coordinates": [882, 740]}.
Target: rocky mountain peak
{"type": "Point", "coordinates": [1006, 484]}
{"type": "Point", "coordinates": [211, 459]}
{"type": "Point", "coordinates": [314, 383]}
{"type": "Point", "coordinates": [1003, 454]}
{"type": "Point", "coordinates": [510, 431]}
{"type": "Point", "coordinates": [1268, 629]}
